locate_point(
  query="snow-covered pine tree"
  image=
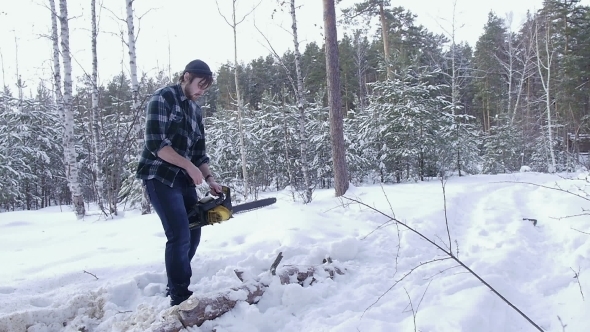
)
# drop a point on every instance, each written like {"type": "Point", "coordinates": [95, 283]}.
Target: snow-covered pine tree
{"type": "Point", "coordinates": [405, 129]}
{"type": "Point", "coordinates": [502, 148]}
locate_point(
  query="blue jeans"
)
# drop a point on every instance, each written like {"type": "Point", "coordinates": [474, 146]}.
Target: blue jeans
{"type": "Point", "coordinates": [171, 205]}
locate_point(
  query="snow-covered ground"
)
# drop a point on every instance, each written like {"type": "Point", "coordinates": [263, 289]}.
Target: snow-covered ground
{"type": "Point", "coordinates": [60, 274]}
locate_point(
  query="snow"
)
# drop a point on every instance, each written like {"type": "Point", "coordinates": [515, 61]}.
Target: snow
{"type": "Point", "coordinates": [61, 274]}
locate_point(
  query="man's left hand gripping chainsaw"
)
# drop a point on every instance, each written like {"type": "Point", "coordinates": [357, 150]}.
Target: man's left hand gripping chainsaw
{"type": "Point", "coordinates": [210, 210]}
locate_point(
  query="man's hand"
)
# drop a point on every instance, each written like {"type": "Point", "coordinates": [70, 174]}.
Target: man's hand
{"type": "Point", "coordinates": [195, 174]}
{"type": "Point", "coordinates": [215, 187]}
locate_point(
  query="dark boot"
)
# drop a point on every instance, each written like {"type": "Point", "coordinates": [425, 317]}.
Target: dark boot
{"type": "Point", "coordinates": [178, 299]}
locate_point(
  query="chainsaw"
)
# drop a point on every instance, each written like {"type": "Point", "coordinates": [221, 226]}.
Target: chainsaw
{"type": "Point", "coordinates": [211, 210]}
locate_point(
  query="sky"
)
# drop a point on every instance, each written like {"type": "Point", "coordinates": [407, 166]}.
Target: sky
{"type": "Point", "coordinates": [97, 275]}
{"type": "Point", "coordinates": [174, 32]}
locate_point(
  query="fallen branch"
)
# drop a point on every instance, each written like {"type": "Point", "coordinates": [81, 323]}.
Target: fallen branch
{"type": "Point", "coordinates": [577, 230]}
{"type": "Point", "coordinates": [90, 274]}
{"type": "Point", "coordinates": [198, 309]}
{"type": "Point", "coordinates": [577, 277]}
{"type": "Point", "coordinates": [547, 187]}
{"type": "Point", "coordinates": [453, 257]}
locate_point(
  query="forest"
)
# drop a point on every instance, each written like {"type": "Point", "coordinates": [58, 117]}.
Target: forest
{"type": "Point", "coordinates": [416, 106]}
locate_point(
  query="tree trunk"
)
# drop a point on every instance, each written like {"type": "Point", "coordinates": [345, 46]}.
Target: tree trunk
{"type": "Point", "coordinates": [56, 64]}
{"type": "Point", "coordinates": [334, 100]}
{"type": "Point", "coordinates": [455, 88]}
{"type": "Point", "coordinates": [96, 138]}
{"type": "Point", "coordinates": [360, 58]}
{"type": "Point", "coordinates": [300, 93]}
{"type": "Point", "coordinates": [69, 136]}
{"type": "Point", "coordinates": [385, 36]}
{"type": "Point", "coordinates": [546, 84]}
{"type": "Point", "coordinates": [145, 203]}
{"type": "Point", "coordinates": [240, 103]}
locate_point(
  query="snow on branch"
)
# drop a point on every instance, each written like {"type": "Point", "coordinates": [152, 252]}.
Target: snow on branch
{"type": "Point", "coordinates": [198, 309]}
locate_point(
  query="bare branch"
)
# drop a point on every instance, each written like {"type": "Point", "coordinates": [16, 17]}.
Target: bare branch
{"type": "Point", "coordinates": [412, 307]}
{"type": "Point", "coordinates": [399, 238]}
{"type": "Point", "coordinates": [279, 59]}
{"type": "Point", "coordinates": [580, 231]}
{"type": "Point", "coordinates": [572, 216]}
{"type": "Point", "coordinates": [443, 182]}
{"type": "Point", "coordinates": [139, 23]}
{"type": "Point", "coordinates": [275, 264]}
{"type": "Point", "coordinates": [92, 274]}
{"type": "Point", "coordinates": [577, 277]}
{"type": "Point", "coordinates": [547, 187]}
{"type": "Point", "coordinates": [402, 278]}
{"type": "Point", "coordinates": [451, 256]}
{"type": "Point", "coordinates": [114, 15]}
{"type": "Point", "coordinates": [221, 14]}
{"type": "Point", "coordinates": [250, 12]}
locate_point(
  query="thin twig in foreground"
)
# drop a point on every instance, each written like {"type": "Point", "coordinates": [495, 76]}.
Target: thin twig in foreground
{"type": "Point", "coordinates": [577, 277]}
{"type": "Point", "coordinates": [412, 307]}
{"type": "Point", "coordinates": [450, 254]}
{"type": "Point", "coordinates": [442, 182]}
{"type": "Point", "coordinates": [402, 278]}
{"type": "Point", "coordinates": [577, 230]}
{"type": "Point", "coordinates": [91, 274]}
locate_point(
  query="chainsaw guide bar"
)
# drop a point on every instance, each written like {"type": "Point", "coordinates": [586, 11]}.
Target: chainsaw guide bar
{"type": "Point", "coordinates": [210, 210]}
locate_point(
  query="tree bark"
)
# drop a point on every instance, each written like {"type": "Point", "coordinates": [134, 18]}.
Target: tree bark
{"type": "Point", "coordinates": [240, 103]}
{"type": "Point", "coordinates": [198, 309]}
{"type": "Point", "coordinates": [385, 36]}
{"type": "Point", "coordinates": [96, 138]}
{"type": "Point", "coordinates": [300, 93]}
{"type": "Point", "coordinates": [56, 62]}
{"type": "Point", "coordinates": [546, 84]}
{"type": "Point", "coordinates": [334, 100]}
{"type": "Point", "coordinates": [70, 154]}
{"type": "Point", "coordinates": [145, 203]}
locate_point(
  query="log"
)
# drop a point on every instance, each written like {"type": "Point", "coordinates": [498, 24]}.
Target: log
{"type": "Point", "coordinates": [198, 309]}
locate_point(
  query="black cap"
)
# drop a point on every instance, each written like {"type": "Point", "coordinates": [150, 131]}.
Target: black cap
{"type": "Point", "coordinates": [198, 67]}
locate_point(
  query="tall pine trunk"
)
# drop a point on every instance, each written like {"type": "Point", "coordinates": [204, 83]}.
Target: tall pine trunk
{"type": "Point", "coordinates": [300, 93]}
{"type": "Point", "coordinates": [334, 100]}
{"type": "Point", "coordinates": [385, 36]}
{"type": "Point", "coordinates": [96, 138]}
{"type": "Point", "coordinates": [145, 203]}
{"type": "Point", "coordinates": [70, 154]}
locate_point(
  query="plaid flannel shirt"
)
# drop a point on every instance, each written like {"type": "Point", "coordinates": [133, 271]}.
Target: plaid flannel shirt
{"type": "Point", "coordinates": [171, 120]}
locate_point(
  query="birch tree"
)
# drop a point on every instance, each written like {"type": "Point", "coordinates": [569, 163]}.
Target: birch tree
{"type": "Point", "coordinates": [131, 39]}
{"type": "Point", "coordinates": [334, 100]}
{"type": "Point", "coordinates": [239, 100]}
{"type": "Point", "coordinates": [96, 138]}
{"type": "Point", "coordinates": [516, 61]}
{"type": "Point", "coordinates": [300, 96]}
{"type": "Point", "coordinates": [544, 67]}
{"type": "Point", "coordinates": [56, 62]}
{"type": "Point", "coordinates": [70, 154]}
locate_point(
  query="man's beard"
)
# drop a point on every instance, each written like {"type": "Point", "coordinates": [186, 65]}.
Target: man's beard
{"type": "Point", "coordinates": [189, 95]}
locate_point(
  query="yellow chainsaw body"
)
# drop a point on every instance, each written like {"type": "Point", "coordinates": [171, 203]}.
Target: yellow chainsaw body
{"type": "Point", "coordinates": [218, 214]}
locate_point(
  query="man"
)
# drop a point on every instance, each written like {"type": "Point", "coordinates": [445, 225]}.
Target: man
{"type": "Point", "coordinates": [172, 162]}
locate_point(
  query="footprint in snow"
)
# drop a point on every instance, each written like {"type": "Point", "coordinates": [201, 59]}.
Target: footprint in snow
{"type": "Point", "coordinates": [7, 290]}
{"type": "Point", "coordinates": [40, 302]}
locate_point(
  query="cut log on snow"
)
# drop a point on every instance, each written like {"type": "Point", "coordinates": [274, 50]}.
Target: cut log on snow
{"type": "Point", "coordinates": [199, 309]}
